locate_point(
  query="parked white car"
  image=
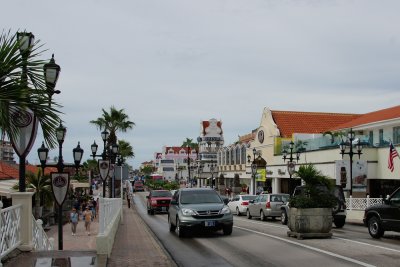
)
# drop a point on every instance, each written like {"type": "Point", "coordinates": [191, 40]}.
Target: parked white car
{"type": "Point", "coordinates": [238, 205]}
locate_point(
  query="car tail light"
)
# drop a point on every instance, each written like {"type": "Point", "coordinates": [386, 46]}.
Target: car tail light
{"type": "Point", "coordinates": [268, 205]}
{"type": "Point", "coordinates": [245, 203]}
{"type": "Point", "coordinates": [153, 202]}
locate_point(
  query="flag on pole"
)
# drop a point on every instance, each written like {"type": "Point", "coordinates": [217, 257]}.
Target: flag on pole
{"type": "Point", "coordinates": [392, 154]}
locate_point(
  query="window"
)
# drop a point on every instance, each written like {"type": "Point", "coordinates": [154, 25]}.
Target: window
{"type": "Point", "coordinates": [396, 135]}
{"type": "Point", "coordinates": [371, 138]}
{"type": "Point", "coordinates": [380, 137]}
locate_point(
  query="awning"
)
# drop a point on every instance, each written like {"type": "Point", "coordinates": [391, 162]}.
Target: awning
{"type": "Point", "coordinates": [6, 187]}
{"type": "Point", "coordinates": [79, 185]}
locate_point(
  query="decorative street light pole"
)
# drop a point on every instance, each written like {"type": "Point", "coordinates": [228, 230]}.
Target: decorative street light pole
{"type": "Point", "coordinates": [254, 168]}
{"type": "Point", "coordinates": [351, 153]}
{"type": "Point", "coordinates": [108, 158]}
{"type": "Point", "coordinates": [60, 180]}
{"type": "Point", "coordinates": [291, 166]}
{"type": "Point", "coordinates": [212, 166]}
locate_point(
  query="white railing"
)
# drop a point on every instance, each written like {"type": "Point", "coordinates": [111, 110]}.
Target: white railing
{"type": "Point", "coordinates": [40, 239]}
{"type": "Point", "coordinates": [109, 209]}
{"type": "Point", "coordinates": [10, 229]}
{"type": "Point", "coordinates": [361, 203]}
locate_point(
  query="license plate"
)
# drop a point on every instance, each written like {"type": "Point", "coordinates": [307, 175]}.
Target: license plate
{"type": "Point", "coordinates": [209, 223]}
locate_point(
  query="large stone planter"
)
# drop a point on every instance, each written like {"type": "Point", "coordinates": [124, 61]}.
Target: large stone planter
{"type": "Point", "coordinates": [315, 222]}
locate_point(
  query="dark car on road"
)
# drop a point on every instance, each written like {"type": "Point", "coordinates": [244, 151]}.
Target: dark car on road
{"type": "Point", "coordinates": [383, 217]}
{"type": "Point", "coordinates": [338, 212]}
{"type": "Point", "coordinates": [158, 201]}
{"type": "Point", "coordinates": [194, 209]}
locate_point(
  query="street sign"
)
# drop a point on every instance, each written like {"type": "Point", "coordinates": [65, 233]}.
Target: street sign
{"type": "Point", "coordinates": [104, 167]}
{"type": "Point", "coordinates": [59, 186]}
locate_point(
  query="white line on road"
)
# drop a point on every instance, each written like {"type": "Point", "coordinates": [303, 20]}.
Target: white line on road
{"type": "Point", "coordinates": [309, 247]}
{"type": "Point", "coordinates": [334, 237]}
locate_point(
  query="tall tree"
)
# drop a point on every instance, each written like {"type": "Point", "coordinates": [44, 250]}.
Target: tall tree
{"type": "Point", "coordinates": [113, 121]}
{"type": "Point", "coordinates": [31, 94]}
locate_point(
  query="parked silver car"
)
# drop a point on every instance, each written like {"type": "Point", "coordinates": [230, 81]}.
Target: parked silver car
{"type": "Point", "coordinates": [239, 204]}
{"type": "Point", "coordinates": [267, 205]}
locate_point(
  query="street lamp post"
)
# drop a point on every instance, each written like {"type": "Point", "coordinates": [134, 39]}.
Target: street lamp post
{"type": "Point", "coordinates": [26, 120]}
{"type": "Point", "coordinates": [253, 168]}
{"type": "Point", "coordinates": [108, 154]}
{"type": "Point", "coordinates": [212, 166]}
{"type": "Point", "coordinates": [291, 165]}
{"type": "Point", "coordinates": [60, 181]}
{"type": "Point", "coordinates": [351, 153]}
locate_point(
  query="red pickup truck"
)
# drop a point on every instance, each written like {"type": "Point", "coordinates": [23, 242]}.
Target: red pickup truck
{"type": "Point", "coordinates": [158, 201]}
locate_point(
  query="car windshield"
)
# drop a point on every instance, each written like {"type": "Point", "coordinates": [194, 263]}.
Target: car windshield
{"type": "Point", "coordinates": [198, 197]}
{"type": "Point", "coordinates": [248, 197]}
{"type": "Point", "coordinates": [161, 194]}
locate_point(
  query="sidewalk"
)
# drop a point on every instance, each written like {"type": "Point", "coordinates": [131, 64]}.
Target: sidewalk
{"type": "Point", "coordinates": [136, 245]}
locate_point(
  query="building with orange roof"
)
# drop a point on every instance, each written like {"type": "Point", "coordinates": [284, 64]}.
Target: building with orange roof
{"type": "Point", "coordinates": [317, 136]}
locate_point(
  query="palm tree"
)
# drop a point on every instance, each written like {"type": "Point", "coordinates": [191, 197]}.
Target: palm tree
{"type": "Point", "coordinates": [18, 96]}
{"type": "Point", "coordinates": [113, 121]}
{"type": "Point", "coordinates": [125, 149]}
{"type": "Point", "coordinates": [42, 186]}
{"type": "Point", "coordinates": [189, 143]}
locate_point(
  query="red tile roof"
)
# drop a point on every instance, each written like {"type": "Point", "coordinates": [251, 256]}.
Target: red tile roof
{"type": "Point", "coordinates": [375, 116]}
{"type": "Point", "coordinates": [290, 122]}
{"type": "Point", "coordinates": [11, 171]}
{"type": "Point", "coordinates": [8, 172]}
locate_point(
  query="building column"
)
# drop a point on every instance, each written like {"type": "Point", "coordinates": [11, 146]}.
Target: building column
{"type": "Point", "coordinates": [25, 199]}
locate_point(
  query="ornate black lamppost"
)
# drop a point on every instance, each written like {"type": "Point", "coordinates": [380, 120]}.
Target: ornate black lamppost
{"type": "Point", "coordinates": [351, 153]}
{"type": "Point", "coordinates": [25, 120]}
{"type": "Point", "coordinates": [60, 180]}
{"type": "Point", "coordinates": [212, 166]}
{"type": "Point", "coordinates": [253, 167]}
{"type": "Point", "coordinates": [291, 166]}
{"type": "Point", "coordinates": [108, 157]}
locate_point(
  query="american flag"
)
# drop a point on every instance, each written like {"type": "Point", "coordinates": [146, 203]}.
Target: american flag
{"type": "Point", "coordinates": [392, 154]}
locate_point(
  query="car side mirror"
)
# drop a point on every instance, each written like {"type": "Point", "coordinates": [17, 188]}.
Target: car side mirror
{"type": "Point", "coordinates": [226, 201]}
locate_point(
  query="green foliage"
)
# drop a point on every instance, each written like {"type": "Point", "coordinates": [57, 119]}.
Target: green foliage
{"type": "Point", "coordinates": [317, 189]}
{"type": "Point", "coordinates": [147, 170]}
{"type": "Point", "coordinates": [22, 87]}
{"type": "Point", "coordinates": [161, 184]}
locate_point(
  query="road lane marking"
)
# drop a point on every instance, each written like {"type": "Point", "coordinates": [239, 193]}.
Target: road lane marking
{"type": "Point", "coordinates": [333, 237]}
{"type": "Point", "coordinates": [309, 247]}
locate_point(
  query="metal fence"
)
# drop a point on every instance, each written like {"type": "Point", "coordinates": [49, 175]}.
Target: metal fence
{"type": "Point", "coordinates": [361, 203]}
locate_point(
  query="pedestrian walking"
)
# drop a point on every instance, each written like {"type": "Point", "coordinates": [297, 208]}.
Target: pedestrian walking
{"type": "Point", "coordinates": [87, 216]}
{"type": "Point", "coordinates": [74, 218]}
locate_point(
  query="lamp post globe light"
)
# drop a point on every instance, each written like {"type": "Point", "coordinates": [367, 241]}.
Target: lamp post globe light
{"type": "Point", "coordinates": [60, 180]}
{"type": "Point", "coordinates": [351, 153]}
{"type": "Point", "coordinates": [291, 164]}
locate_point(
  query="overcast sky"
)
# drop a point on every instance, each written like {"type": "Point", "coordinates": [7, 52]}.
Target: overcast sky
{"type": "Point", "coordinates": [173, 63]}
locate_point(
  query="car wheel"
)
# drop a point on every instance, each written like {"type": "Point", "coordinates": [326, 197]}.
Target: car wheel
{"type": "Point", "coordinates": [283, 217]}
{"type": "Point", "coordinates": [179, 229]}
{"type": "Point", "coordinates": [171, 226]}
{"type": "Point", "coordinates": [375, 227]}
{"type": "Point", "coordinates": [262, 216]}
{"type": "Point", "coordinates": [237, 211]}
{"type": "Point", "coordinates": [227, 230]}
{"type": "Point", "coordinates": [339, 222]}
{"type": "Point", "coordinates": [336, 208]}
{"type": "Point", "coordinates": [248, 214]}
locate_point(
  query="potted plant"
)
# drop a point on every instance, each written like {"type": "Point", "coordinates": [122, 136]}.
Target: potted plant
{"type": "Point", "coordinates": [310, 213]}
